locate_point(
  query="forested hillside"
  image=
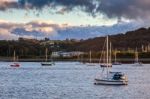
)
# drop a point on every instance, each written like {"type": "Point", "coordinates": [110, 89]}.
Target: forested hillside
{"type": "Point", "coordinates": [131, 39]}
{"type": "Point", "coordinates": [32, 47]}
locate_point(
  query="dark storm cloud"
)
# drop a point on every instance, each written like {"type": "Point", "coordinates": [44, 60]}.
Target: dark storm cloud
{"type": "Point", "coordinates": [131, 9]}
{"type": "Point", "coordinates": [88, 6]}
{"type": "Point", "coordinates": [85, 5]}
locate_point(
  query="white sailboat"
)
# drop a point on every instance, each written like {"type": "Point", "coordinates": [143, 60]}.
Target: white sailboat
{"type": "Point", "coordinates": [136, 62]}
{"type": "Point", "coordinates": [111, 78]}
{"type": "Point", "coordinates": [116, 62]}
{"type": "Point", "coordinates": [103, 58]}
{"type": "Point", "coordinates": [15, 64]}
{"type": "Point", "coordinates": [90, 60]}
{"type": "Point", "coordinates": [46, 63]}
{"type": "Point", "coordinates": [79, 59]}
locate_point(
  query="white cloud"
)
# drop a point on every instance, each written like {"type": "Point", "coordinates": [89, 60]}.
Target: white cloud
{"type": "Point", "coordinates": [5, 34]}
{"type": "Point", "coordinates": [42, 29]}
{"type": "Point", "coordinates": [10, 30]}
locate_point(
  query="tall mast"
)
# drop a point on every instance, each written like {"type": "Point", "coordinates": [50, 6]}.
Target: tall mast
{"type": "Point", "coordinates": [90, 57]}
{"type": "Point", "coordinates": [115, 56]}
{"type": "Point", "coordinates": [46, 54]}
{"type": "Point", "coordinates": [104, 59]}
{"type": "Point", "coordinates": [78, 57]}
{"type": "Point", "coordinates": [110, 54]}
{"type": "Point", "coordinates": [14, 58]}
{"type": "Point", "coordinates": [136, 56]}
{"type": "Point", "coordinates": [107, 56]}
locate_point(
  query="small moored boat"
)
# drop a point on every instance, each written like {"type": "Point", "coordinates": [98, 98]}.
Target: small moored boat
{"type": "Point", "coordinates": [137, 63]}
{"type": "Point", "coordinates": [90, 60]}
{"type": "Point", "coordinates": [46, 63]}
{"type": "Point", "coordinates": [116, 79]}
{"type": "Point", "coordinates": [111, 78]}
{"type": "Point", "coordinates": [116, 62]}
{"type": "Point", "coordinates": [105, 65]}
{"type": "Point", "coordinates": [15, 64]}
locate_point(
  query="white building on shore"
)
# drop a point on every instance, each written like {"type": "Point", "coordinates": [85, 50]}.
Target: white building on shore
{"type": "Point", "coordinates": [66, 54]}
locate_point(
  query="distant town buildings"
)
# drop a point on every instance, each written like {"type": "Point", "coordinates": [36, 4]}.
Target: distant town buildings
{"type": "Point", "coordinates": [66, 54]}
{"type": "Point", "coordinates": [47, 42]}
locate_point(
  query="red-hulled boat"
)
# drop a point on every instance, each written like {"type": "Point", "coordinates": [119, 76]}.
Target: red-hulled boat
{"type": "Point", "coordinates": [15, 65]}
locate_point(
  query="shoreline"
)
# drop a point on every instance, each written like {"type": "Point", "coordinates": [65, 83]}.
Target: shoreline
{"type": "Point", "coordinates": [123, 60]}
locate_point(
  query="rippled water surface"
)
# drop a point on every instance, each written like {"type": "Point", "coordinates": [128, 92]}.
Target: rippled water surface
{"type": "Point", "coordinates": [69, 80]}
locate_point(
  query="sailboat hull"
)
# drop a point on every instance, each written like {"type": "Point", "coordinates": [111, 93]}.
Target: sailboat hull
{"type": "Point", "coordinates": [47, 64]}
{"type": "Point", "coordinates": [110, 82]}
{"type": "Point", "coordinates": [105, 65]}
{"type": "Point", "coordinates": [15, 65]}
{"type": "Point", "coordinates": [137, 64]}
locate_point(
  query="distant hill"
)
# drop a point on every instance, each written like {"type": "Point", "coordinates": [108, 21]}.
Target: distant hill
{"type": "Point", "coordinates": [32, 48]}
{"type": "Point", "coordinates": [131, 39]}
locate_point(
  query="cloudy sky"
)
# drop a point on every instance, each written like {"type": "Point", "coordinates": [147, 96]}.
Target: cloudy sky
{"type": "Point", "coordinates": [80, 19]}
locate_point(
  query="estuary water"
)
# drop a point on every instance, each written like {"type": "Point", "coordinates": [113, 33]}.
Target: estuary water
{"type": "Point", "coordinates": [70, 80]}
